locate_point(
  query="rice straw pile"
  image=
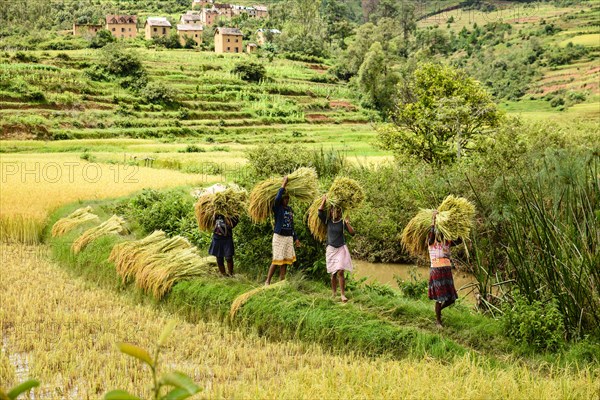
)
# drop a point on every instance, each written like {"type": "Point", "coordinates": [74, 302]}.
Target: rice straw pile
{"type": "Point", "coordinates": [69, 222]}
{"type": "Point", "coordinates": [243, 298]}
{"type": "Point", "coordinates": [114, 225]}
{"type": "Point", "coordinates": [302, 186]}
{"type": "Point", "coordinates": [230, 202]}
{"type": "Point", "coordinates": [454, 220]}
{"type": "Point", "coordinates": [157, 262]}
{"type": "Point", "coordinates": [344, 193]}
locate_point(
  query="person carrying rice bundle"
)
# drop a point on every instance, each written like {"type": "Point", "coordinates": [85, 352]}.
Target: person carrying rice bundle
{"type": "Point", "coordinates": [337, 255]}
{"type": "Point", "coordinates": [221, 245]}
{"type": "Point", "coordinates": [284, 236]}
{"type": "Point", "coordinates": [441, 283]}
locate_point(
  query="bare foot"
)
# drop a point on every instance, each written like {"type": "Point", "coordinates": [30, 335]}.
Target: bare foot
{"type": "Point", "coordinates": [344, 299]}
{"type": "Point", "coordinates": [267, 283]}
{"type": "Point", "coordinates": [439, 324]}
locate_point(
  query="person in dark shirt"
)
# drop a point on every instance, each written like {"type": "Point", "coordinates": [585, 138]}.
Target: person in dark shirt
{"type": "Point", "coordinates": [221, 245]}
{"type": "Point", "coordinates": [284, 235]}
{"type": "Point", "coordinates": [337, 255]}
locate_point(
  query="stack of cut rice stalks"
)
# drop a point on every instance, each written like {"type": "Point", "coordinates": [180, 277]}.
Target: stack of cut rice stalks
{"type": "Point", "coordinates": [228, 201]}
{"type": "Point", "coordinates": [453, 221]}
{"type": "Point", "coordinates": [114, 225]}
{"type": "Point", "coordinates": [69, 222]}
{"type": "Point", "coordinates": [157, 262]}
{"type": "Point", "coordinates": [345, 194]}
{"type": "Point", "coordinates": [302, 186]}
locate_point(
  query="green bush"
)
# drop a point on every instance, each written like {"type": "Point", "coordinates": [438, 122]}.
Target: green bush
{"type": "Point", "coordinates": [158, 93]}
{"type": "Point", "coordinates": [250, 71]}
{"type": "Point", "coordinates": [413, 288]}
{"type": "Point", "coordinates": [538, 324]}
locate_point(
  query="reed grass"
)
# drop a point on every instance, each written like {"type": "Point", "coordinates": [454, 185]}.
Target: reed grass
{"type": "Point", "coordinates": [114, 225]}
{"type": "Point", "coordinates": [302, 186]}
{"type": "Point", "coordinates": [77, 217]}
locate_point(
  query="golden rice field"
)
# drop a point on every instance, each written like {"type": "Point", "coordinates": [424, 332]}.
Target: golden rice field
{"type": "Point", "coordinates": [66, 338]}
{"type": "Point", "coordinates": [33, 185]}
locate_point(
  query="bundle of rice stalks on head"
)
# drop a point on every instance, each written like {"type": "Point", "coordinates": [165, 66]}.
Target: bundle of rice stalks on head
{"type": "Point", "coordinates": [157, 262]}
{"type": "Point", "coordinates": [453, 221]}
{"type": "Point", "coordinates": [243, 298]}
{"type": "Point", "coordinates": [229, 202]}
{"type": "Point", "coordinates": [114, 225]}
{"type": "Point", "coordinates": [69, 222]}
{"type": "Point", "coordinates": [457, 215]}
{"type": "Point", "coordinates": [302, 186]}
{"type": "Point", "coordinates": [315, 225]}
{"type": "Point", "coordinates": [414, 235]}
{"type": "Point", "coordinates": [345, 193]}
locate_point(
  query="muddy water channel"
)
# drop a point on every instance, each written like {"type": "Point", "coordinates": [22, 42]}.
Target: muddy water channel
{"type": "Point", "coordinates": [384, 273]}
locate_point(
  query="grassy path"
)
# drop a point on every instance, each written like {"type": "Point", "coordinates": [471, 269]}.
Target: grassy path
{"type": "Point", "coordinates": [61, 330]}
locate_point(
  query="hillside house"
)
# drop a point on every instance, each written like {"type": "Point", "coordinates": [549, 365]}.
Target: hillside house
{"type": "Point", "coordinates": [251, 48]}
{"type": "Point", "coordinates": [266, 35]}
{"type": "Point", "coordinates": [199, 4]}
{"type": "Point", "coordinates": [191, 19]}
{"type": "Point", "coordinates": [224, 10]}
{"type": "Point", "coordinates": [209, 16]}
{"type": "Point", "coordinates": [86, 30]}
{"type": "Point", "coordinates": [122, 26]}
{"type": "Point", "coordinates": [156, 27]}
{"type": "Point", "coordinates": [228, 40]}
{"type": "Point", "coordinates": [261, 11]}
{"type": "Point", "coordinates": [189, 31]}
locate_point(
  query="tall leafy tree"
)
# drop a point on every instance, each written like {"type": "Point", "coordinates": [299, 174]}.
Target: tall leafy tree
{"type": "Point", "coordinates": [376, 80]}
{"type": "Point", "coordinates": [439, 115]}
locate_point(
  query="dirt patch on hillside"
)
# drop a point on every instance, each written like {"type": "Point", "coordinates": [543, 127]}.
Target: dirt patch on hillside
{"type": "Point", "coordinates": [317, 118]}
{"type": "Point", "coordinates": [342, 104]}
{"type": "Point", "coordinates": [318, 67]}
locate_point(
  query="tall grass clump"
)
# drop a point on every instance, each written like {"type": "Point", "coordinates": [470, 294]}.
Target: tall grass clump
{"type": "Point", "coordinates": [302, 186]}
{"type": "Point", "coordinates": [553, 238]}
{"type": "Point", "coordinates": [21, 229]}
{"type": "Point", "coordinates": [72, 220]}
{"type": "Point", "coordinates": [157, 262]}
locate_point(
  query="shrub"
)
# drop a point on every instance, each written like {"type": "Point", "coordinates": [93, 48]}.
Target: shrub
{"type": "Point", "coordinates": [158, 93]}
{"type": "Point", "coordinates": [538, 324]}
{"type": "Point", "coordinates": [102, 38]}
{"type": "Point", "coordinates": [250, 71]}
{"type": "Point", "coordinates": [264, 160]}
{"type": "Point", "coordinates": [413, 288]}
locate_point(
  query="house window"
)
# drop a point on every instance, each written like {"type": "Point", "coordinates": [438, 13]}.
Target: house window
{"type": "Point", "coordinates": [113, 29]}
{"type": "Point", "coordinates": [122, 29]}
{"type": "Point", "coordinates": [154, 29]}
{"type": "Point", "coordinates": [122, 36]}
{"type": "Point", "coordinates": [236, 40]}
{"type": "Point", "coordinates": [196, 35]}
{"type": "Point", "coordinates": [228, 40]}
{"type": "Point", "coordinates": [236, 49]}
{"type": "Point", "coordinates": [229, 49]}
{"type": "Point", "coordinates": [164, 31]}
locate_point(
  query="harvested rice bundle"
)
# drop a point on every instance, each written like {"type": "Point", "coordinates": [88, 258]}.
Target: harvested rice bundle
{"type": "Point", "coordinates": [315, 225]}
{"type": "Point", "coordinates": [459, 221]}
{"type": "Point", "coordinates": [230, 203]}
{"type": "Point", "coordinates": [157, 262]}
{"type": "Point", "coordinates": [345, 193]}
{"type": "Point", "coordinates": [126, 255]}
{"type": "Point", "coordinates": [69, 222]}
{"type": "Point", "coordinates": [243, 298]}
{"type": "Point", "coordinates": [302, 185]}
{"type": "Point", "coordinates": [414, 235]}
{"type": "Point", "coordinates": [114, 225]}
{"type": "Point", "coordinates": [454, 220]}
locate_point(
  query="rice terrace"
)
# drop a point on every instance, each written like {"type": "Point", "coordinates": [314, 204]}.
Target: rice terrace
{"type": "Point", "coordinates": [300, 199]}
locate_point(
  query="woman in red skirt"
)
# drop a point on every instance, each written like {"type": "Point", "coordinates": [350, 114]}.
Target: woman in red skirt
{"type": "Point", "coordinates": [441, 283]}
